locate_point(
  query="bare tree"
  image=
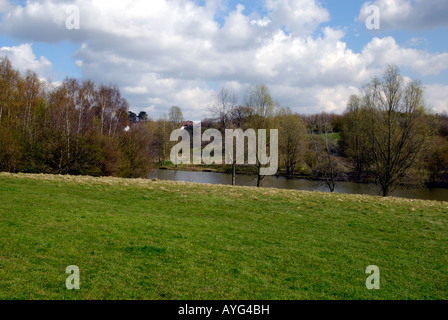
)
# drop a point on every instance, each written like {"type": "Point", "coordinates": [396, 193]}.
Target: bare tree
{"type": "Point", "coordinates": [323, 148]}
{"type": "Point", "coordinates": [175, 115]}
{"type": "Point", "coordinates": [262, 107]}
{"type": "Point", "coordinates": [398, 127]}
{"type": "Point", "coordinates": [225, 102]}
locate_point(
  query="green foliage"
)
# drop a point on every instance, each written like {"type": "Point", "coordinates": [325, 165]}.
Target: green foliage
{"type": "Point", "coordinates": [436, 159]}
{"type": "Point", "coordinates": [355, 137]}
{"type": "Point", "coordinates": [75, 128]}
{"type": "Point", "coordinates": [292, 139]}
{"type": "Point", "coordinates": [175, 115]}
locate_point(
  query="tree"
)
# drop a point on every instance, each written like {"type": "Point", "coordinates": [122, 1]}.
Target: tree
{"type": "Point", "coordinates": [262, 107]}
{"type": "Point", "coordinates": [136, 155]}
{"type": "Point", "coordinates": [443, 124]}
{"type": "Point", "coordinates": [355, 136]}
{"type": "Point", "coordinates": [10, 81]}
{"type": "Point", "coordinates": [175, 115]}
{"type": "Point", "coordinates": [436, 158]}
{"type": "Point", "coordinates": [84, 103]}
{"type": "Point", "coordinates": [132, 117]}
{"type": "Point", "coordinates": [259, 100]}
{"type": "Point", "coordinates": [293, 139]}
{"type": "Point", "coordinates": [225, 102]}
{"type": "Point", "coordinates": [74, 128]}
{"type": "Point", "coordinates": [11, 85]}
{"type": "Point", "coordinates": [142, 116]}
{"type": "Point", "coordinates": [161, 139]}
{"type": "Point", "coordinates": [324, 149]}
{"type": "Point", "coordinates": [399, 127]}
{"type": "Point", "coordinates": [240, 115]}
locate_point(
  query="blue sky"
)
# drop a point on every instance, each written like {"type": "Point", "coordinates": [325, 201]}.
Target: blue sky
{"type": "Point", "coordinates": [311, 54]}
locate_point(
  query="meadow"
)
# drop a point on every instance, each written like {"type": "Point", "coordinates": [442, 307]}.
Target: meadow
{"type": "Point", "coordinates": [160, 240]}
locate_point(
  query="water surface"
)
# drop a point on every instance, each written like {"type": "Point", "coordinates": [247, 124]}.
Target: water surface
{"type": "Point", "coordinates": [296, 184]}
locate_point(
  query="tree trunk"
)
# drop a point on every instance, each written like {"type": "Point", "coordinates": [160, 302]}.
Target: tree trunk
{"type": "Point", "coordinates": [67, 132]}
{"type": "Point", "coordinates": [102, 119]}
{"type": "Point", "coordinates": [385, 190]}
{"type": "Point", "coordinates": [259, 177]}
{"type": "Point", "coordinates": [234, 173]}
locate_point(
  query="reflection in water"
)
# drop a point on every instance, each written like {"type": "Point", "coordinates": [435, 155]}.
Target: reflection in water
{"type": "Point", "coordinates": [297, 184]}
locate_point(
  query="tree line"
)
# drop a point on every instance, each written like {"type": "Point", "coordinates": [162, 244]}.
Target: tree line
{"type": "Point", "coordinates": [74, 128]}
{"type": "Point", "coordinates": [386, 135]}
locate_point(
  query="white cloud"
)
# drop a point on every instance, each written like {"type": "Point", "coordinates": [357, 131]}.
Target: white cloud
{"type": "Point", "coordinates": [386, 51]}
{"type": "Point", "coordinates": [4, 6]}
{"type": "Point", "coordinates": [409, 14]}
{"type": "Point", "coordinates": [23, 58]}
{"type": "Point", "coordinates": [437, 97]}
{"type": "Point", "coordinates": [136, 90]}
{"type": "Point", "coordinates": [261, 22]}
{"type": "Point", "coordinates": [416, 41]}
{"type": "Point", "coordinates": [300, 17]}
{"type": "Point", "coordinates": [335, 99]}
{"type": "Point", "coordinates": [164, 53]}
{"type": "Point", "coordinates": [150, 108]}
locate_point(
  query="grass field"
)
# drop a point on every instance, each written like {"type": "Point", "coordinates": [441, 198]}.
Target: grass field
{"type": "Point", "coordinates": [141, 239]}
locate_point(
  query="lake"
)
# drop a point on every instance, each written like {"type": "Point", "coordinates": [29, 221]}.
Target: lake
{"type": "Point", "coordinates": [439, 194]}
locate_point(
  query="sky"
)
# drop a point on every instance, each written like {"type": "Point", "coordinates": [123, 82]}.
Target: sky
{"type": "Point", "coordinates": [311, 54]}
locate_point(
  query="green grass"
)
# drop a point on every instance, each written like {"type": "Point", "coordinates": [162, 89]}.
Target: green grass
{"type": "Point", "coordinates": [334, 137]}
{"type": "Point", "coordinates": [141, 239]}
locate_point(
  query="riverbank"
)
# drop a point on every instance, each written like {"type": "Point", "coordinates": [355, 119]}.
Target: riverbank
{"type": "Point", "coordinates": [246, 176]}
{"type": "Point", "coordinates": [144, 239]}
{"type": "Point", "coordinates": [240, 170]}
{"type": "Point", "coordinates": [279, 182]}
{"type": "Point", "coordinates": [252, 170]}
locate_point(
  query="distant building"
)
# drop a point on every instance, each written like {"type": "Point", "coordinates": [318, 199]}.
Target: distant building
{"type": "Point", "coordinates": [187, 124]}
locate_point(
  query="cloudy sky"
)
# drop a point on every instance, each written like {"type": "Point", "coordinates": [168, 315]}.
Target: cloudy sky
{"type": "Point", "coordinates": [312, 54]}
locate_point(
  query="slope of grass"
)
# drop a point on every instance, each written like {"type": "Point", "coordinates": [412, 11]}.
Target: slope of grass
{"type": "Point", "coordinates": [141, 239]}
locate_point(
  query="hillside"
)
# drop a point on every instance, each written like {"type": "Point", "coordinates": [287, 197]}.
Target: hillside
{"type": "Point", "coordinates": [142, 239]}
